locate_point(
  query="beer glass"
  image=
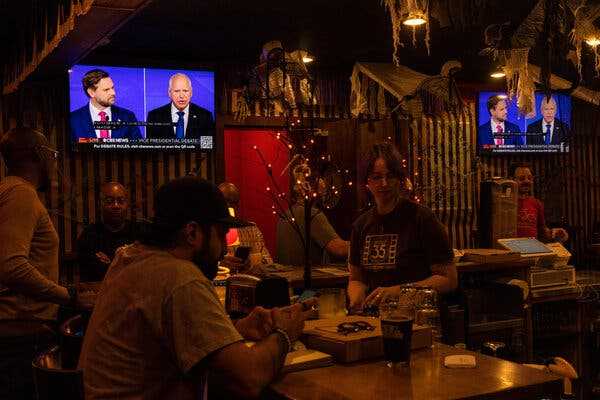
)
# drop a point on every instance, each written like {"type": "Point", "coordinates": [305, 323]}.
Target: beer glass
{"type": "Point", "coordinates": [396, 319]}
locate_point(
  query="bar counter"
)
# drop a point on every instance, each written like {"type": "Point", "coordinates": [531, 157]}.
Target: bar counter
{"type": "Point", "coordinates": [427, 378]}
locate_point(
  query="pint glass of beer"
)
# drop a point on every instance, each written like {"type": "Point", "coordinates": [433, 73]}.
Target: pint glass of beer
{"type": "Point", "coordinates": [396, 328]}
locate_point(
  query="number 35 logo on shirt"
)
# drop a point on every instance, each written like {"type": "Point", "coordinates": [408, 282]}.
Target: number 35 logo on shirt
{"type": "Point", "coordinates": [380, 251]}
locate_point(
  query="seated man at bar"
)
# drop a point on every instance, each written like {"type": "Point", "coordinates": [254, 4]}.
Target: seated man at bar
{"type": "Point", "coordinates": [158, 327]}
{"type": "Point", "coordinates": [29, 289]}
{"type": "Point", "coordinates": [249, 236]}
{"type": "Point", "coordinates": [530, 220]}
{"type": "Point", "coordinates": [326, 245]}
{"type": "Point", "coordinates": [97, 243]}
{"type": "Point", "coordinates": [397, 241]}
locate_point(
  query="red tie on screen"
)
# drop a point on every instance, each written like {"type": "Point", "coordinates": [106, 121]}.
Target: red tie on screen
{"type": "Point", "coordinates": [104, 133]}
{"type": "Point", "coordinates": [499, 141]}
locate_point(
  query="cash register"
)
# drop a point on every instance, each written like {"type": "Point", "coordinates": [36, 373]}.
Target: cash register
{"type": "Point", "coordinates": [550, 268]}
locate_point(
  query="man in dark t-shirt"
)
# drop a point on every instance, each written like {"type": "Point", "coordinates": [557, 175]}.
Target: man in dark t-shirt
{"type": "Point", "coordinates": [97, 243]}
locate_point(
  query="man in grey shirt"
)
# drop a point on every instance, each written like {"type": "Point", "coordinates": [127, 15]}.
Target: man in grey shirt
{"type": "Point", "coordinates": [325, 243]}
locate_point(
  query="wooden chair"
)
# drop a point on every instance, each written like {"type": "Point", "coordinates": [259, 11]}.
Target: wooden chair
{"type": "Point", "coordinates": [52, 381]}
{"type": "Point", "coordinates": [71, 336]}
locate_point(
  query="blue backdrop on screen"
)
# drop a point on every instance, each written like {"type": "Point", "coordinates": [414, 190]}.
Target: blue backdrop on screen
{"type": "Point", "coordinates": [563, 112]}
{"type": "Point", "coordinates": [141, 90]}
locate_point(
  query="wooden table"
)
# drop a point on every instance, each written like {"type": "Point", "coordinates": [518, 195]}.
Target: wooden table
{"type": "Point", "coordinates": [427, 378]}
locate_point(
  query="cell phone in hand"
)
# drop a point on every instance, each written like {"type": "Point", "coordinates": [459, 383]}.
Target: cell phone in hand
{"type": "Point", "coordinates": [242, 252]}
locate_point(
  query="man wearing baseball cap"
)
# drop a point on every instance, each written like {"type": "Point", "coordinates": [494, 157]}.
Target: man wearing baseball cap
{"type": "Point", "coordinates": [158, 327]}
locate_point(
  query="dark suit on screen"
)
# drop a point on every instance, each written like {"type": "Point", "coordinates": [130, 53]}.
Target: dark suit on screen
{"type": "Point", "coordinates": [82, 125]}
{"type": "Point", "coordinates": [486, 136]}
{"type": "Point", "coordinates": [200, 123]}
{"type": "Point", "coordinates": [560, 132]}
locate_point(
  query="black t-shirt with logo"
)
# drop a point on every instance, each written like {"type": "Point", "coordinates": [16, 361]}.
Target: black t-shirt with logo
{"type": "Point", "coordinates": [398, 247]}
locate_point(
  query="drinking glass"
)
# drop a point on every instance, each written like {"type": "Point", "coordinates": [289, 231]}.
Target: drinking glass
{"type": "Point", "coordinates": [396, 317]}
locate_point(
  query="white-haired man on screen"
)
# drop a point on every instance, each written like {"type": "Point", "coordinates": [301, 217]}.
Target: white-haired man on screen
{"type": "Point", "coordinates": [189, 120]}
{"type": "Point", "coordinates": [550, 129]}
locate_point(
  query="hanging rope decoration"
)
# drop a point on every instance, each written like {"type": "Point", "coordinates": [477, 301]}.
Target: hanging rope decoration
{"type": "Point", "coordinates": [401, 11]}
{"type": "Point", "coordinates": [518, 81]}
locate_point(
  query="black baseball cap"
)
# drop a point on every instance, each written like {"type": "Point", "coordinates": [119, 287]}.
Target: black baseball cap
{"type": "Point", "coordinates": [191, 198]}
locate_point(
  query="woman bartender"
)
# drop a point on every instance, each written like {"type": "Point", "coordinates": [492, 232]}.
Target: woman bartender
{"type": "Point", "coordinates": [397, 241]}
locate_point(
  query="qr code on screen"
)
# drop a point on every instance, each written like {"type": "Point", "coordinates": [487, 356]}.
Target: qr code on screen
{"type": "Point", "coordinates": [206, 142]}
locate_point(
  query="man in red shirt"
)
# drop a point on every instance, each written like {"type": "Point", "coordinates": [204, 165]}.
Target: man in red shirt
{"type": "Point", "coordinates": [530, 220]}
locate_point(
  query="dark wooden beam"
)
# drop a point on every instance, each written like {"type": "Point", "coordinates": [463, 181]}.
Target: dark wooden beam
{"type": "Point", "coordinates": [91, 30]}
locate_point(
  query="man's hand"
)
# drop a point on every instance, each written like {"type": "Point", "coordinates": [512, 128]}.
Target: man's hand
{"type": "Point", "coordinates": [559, 234]}
{"type": "Point", "coordinates": [380, 294]}
{"type": "Point", "coordinates": [257, 325]}
{"type": "Point", "coordinates": [291, 319]}
{"type": "Point", "coordinates": [86, 295]}
{"type": "Point", "coordinates": [103, 258]}
{"type": "Point", "coordinates": [235, 264]}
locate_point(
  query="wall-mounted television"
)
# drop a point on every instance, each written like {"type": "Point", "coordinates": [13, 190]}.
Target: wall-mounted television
{"type": "Point", "coordinates": [124, 108]}
{"type": "Point", "coordinates": [502, 129]}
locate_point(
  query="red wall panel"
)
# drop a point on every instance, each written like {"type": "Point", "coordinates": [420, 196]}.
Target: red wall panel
{"type": "Point", "coordinates": [244, 168]}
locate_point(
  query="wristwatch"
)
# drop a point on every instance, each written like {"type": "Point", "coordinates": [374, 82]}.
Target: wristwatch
{"type": "Point", "coordinates": [286, 339]}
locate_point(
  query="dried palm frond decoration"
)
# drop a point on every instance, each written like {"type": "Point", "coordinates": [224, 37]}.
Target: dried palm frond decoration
{"type": "Point", "coordinates": [401, 13]}
{"type": "Point", "coordinates": [584, 30]}
{"type": "Point", "coordinates": [518, 81]}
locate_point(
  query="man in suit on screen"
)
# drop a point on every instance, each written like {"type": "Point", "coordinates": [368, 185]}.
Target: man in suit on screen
{"type": "Point", "coordinates": [550, 130]}
{"type": "Point", "coordinates": [493, 132]}
{"type": "Point", "coordinates": [100, 89]}
{"type": "Point", "coordinates": [189, 121]}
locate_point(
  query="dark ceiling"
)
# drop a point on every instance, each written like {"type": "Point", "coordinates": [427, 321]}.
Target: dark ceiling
{"type": "Point", "coordinates": [185, 33]}
{"type": "Point", "coordinates": [337, 32]}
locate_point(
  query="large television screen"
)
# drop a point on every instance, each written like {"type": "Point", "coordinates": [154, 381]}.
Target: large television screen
{"type": "Point", "coordinates": [123, 108]}
{"type": "Point", "coordinates": [501, 129]}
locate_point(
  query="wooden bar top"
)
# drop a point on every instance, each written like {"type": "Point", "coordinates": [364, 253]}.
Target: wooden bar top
{"type": "Point", "coordinates": [427, 378]}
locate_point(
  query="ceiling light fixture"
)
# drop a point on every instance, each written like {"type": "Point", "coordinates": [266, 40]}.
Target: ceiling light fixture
{"type": "Point", "coordinates": [415, 19]}
{"type": "Point", "coordinates": [593, 41]}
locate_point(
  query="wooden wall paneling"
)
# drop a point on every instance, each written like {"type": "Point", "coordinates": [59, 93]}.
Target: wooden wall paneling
{"type": "Point", "coordinates": [181, 171]}
{"type": "Point", "coordinates": [450, 156]}
{"type": "Point", "coordinates": [446, 167]}
{"type": "Point", "coordinates": [128, 183]}
{"type": "Point", "coordinates": [76, 192]}
{"type": "Point", "coordinates": [91, 187]}
{"type": "Point", "coordinates": [459, 173]}
{"type": "Point", "coordinates": [137, 206]}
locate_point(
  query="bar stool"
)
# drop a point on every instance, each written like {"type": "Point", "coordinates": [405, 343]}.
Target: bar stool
{"type": "Point", "coordinates": [53, 381]}
{"type": "Point", "coordinates": [20, 341]}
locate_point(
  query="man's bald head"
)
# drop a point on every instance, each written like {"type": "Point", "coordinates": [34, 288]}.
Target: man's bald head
{"type": "Point", "coordinates": [115, 202]}
{"type": "Point", "coordinates": [20, 146]}
{"type": "Point", "coordinates": [231, 194]}
{"type": "Point", "coordinates": [27, 153]}
{"type": "Point", "coordinates": [113, 188]}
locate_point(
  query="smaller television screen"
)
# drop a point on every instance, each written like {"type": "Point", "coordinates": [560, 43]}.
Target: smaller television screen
{"type": "Point", "coordinates": [502, 129]}
{"type": "Point", "coordinates": [123, 108]}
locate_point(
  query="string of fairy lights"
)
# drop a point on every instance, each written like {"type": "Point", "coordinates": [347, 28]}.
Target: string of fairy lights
{"type": "Point", "coordinates": [316, 180]}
